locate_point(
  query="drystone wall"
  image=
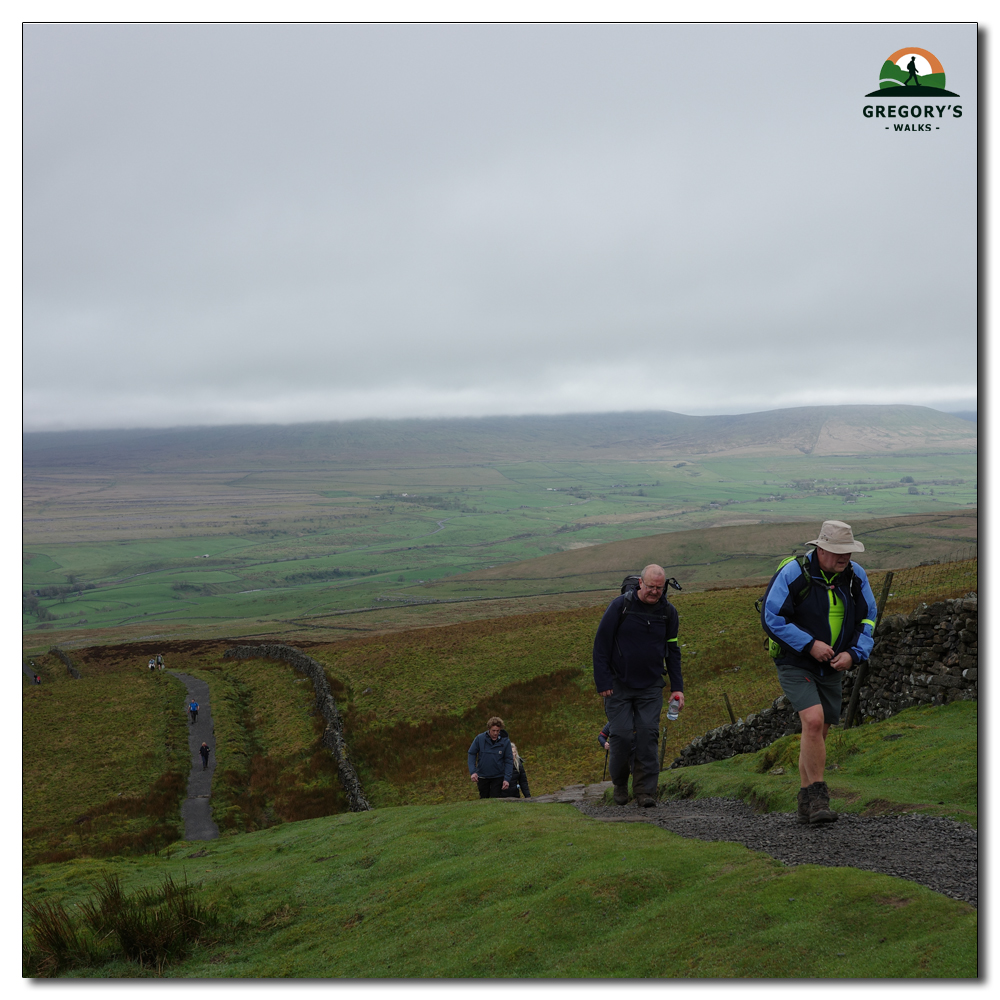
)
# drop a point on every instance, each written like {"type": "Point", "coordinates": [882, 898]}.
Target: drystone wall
{"type": "Point", "coordinates": [929, 657]}
{"type": "Point", "coordinates": [333, 734]}
{"type": "Point", "coordinates": [70, 668]}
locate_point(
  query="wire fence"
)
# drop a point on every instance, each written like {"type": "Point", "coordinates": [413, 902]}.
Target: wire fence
{"type": "Point", "coordinates": [938, 580]}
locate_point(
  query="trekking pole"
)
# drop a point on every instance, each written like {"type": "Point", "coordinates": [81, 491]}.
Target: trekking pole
{"type": "Point", "coordinates": [863, 668]}
{"type": "Point", "coordinates": [663, 745]}
{"type": "Point", "coordinates": [605, 772]}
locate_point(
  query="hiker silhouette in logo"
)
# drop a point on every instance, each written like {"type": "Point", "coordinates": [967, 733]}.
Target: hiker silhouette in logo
{"type": "Point", "coordinates": [911, 68]}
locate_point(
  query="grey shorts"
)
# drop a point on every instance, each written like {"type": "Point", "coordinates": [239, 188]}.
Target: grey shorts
{"type": "Point", "coordinates": [805, 689]}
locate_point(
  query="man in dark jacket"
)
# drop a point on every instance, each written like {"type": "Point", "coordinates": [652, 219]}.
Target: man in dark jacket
{"type": "Point", "coordinates": [491, 763]}
{"type": "Point", "coordinates": [819, 627]}
{"type": "Point", "coordinates": [636, 643]}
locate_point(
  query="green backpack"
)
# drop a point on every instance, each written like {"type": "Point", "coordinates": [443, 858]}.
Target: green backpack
{"type": "Point", "coordinates": [770, 644]}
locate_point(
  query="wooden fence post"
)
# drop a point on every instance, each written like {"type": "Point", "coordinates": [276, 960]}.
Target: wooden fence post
{"type": "Point", "coordinates": [863, 668]}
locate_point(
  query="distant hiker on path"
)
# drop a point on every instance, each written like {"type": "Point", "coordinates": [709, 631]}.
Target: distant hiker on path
{"type": "Point", "coordinates": [35, 679]}
{"type": "Point", "coordinates": [911, 67]}
{"type": "Point", "coordinates": [159, 660]}
{"type": "Point", "coordinates": [821, 618]}
{"type": "Point", "coordinates": [636, 643]}
{"type": "Point", "coordinates": [193, 709]}
{"type": "Point", "coordinates": [203, 750]}
{"type": "Point", "coordinates": [491, 763]}
{"type": "Point", "coordinates": [152, 664]}
{"type": "Point", "coordinates": [519, 778]}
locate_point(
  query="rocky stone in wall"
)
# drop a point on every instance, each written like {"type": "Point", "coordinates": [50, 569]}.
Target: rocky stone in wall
{"type": "Point", "coordinates": [756, 731]}
{"type": "Point", "coordinates": [333, 734]}
{"type": "Point", "coordinates": [929, 657]}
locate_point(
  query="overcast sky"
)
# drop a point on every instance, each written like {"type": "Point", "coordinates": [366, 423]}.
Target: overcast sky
{"type": "Point", "coordinates": [267, 223]}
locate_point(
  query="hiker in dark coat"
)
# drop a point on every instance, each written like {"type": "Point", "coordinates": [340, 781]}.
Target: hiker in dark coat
{"type": "Point", "coordinates": [635, 645]}
{"type": "Point", "coordinates": [519, 778]}
{"type": "Point", "coordinates": [203, 750]}
{"type": "Point", "coordinates": [491, 764]}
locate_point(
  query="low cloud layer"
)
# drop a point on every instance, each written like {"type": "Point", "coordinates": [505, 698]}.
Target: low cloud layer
{"type": "Point", "coordinates": [274, 223]}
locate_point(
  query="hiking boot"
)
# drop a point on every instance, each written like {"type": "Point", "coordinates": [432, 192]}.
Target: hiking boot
{"type": "Point", "coordinates": [621, 795]}
{"type": "Point", "coordinates": [803, 805]}
{"type": "Point", "coordinates": [819, 803]}
{"type": "Point", "coordinates": [645, 801]}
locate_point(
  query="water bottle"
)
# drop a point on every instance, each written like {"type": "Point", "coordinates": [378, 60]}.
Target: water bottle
{"type": "Point", "coordinates": [673, 708]}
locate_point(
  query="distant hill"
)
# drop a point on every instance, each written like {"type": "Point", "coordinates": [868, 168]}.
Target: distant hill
{"type": "Point", "coordinates": [810, 430]}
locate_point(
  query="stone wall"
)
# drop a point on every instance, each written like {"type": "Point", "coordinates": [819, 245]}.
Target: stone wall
{"type": "Point", "coordinates": [333, 735]}
{"type": "Point", "coordinates": [68, 663]}
{"type": "Point", "coordinates": [929, 657]}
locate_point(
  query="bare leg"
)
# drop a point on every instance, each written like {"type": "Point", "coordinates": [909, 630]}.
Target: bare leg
{"type": "Point", "coordinates": [812, 752]}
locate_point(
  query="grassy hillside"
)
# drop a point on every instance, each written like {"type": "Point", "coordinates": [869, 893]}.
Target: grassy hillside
{"type": "Point", "coordinates": [494, 889]}
{"type": "Point", "coordinates": [105, 761]}
{"type": "Point", "coordinates": [922, 760]}
{"type": "Point", "coordinates": [412, 702]}
{"type": "Point", "coordinates": [500, 889]}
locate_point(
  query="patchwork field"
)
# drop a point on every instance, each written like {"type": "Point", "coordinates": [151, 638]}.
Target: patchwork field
{"type": "Point", "coordinates": [256, 531]}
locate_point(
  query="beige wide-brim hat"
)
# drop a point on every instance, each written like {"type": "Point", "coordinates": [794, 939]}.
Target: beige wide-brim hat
{"type": "Point", "coordinates": [835, 536]}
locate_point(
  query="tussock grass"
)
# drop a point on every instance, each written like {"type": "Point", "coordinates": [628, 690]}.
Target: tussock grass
{"type": "Point", "coordinates": [149, 927]}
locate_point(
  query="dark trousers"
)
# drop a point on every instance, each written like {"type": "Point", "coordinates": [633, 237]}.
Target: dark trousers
{"type": "Point", "coordinates": [194, 716]}
{"type": "Point", "coordinates": [638, 710]}
{"type": "Point", "coordinates": [490, 788]}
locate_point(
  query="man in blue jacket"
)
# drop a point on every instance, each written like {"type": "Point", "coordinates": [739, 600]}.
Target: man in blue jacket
{"type": "Point", "coordinates": [491, 762]}
{"type": "Point", "coordinates": [820, 619]}
{"type": "Point", "coordinates": [636, 643]}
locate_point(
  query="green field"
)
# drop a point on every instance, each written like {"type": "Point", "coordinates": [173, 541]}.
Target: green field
{"type": "Point", "coordinates": [119, 543]}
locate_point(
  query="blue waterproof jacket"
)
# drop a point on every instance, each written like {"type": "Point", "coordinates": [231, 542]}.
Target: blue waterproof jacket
{"type": "Point", "coordinates": [796, 626]}
{"type": "Point", "coordinates": [489, 759]}
{"type": "Point", "coordinates": [644, 647]}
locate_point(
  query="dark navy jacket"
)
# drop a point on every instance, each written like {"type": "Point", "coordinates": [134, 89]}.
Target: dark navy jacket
{"type": "Point", "coordinates": [797, 627]}
{"type": "Point", "coordinates": [646, 643]}
{"type": "Point", "coordinates": [489, 759]}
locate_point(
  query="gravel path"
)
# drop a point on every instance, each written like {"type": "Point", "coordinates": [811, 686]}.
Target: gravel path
{"type": "Point", "coordinates": [197, 807]}
{"type": "Point", "coordinates": [935, 852]}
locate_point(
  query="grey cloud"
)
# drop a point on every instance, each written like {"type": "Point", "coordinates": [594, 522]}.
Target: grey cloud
{"type": "Point", "coordinates": [228, 223]}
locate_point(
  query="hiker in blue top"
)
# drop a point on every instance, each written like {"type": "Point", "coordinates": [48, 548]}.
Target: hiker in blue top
{"type": "Point", "coordinates": [635, 645]}
{"type": "Point", "coordinates": [819, 613]}
{"type": "Point", "coordinates": [491, 763]}
{"type": "Point", "coordinates": [193, 709]}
